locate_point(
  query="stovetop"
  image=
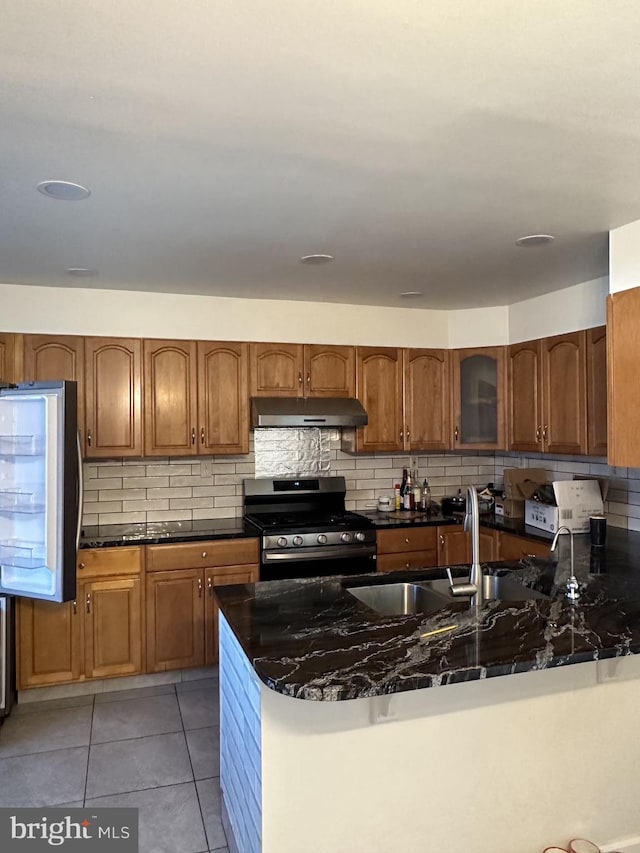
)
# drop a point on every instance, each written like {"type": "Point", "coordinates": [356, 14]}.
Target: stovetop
{"type": "Point", "coordinates": [307, 522]}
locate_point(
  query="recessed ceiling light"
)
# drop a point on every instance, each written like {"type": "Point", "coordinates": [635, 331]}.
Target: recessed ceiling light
{"type": "Point", "coordinates": [81, 272]}
{"type": "Point", "coordinates": [409, 293]}
{"type": "Point", "coordinates": [532, 240]}
{"type": "Point", "coordinates": [63, 190]}
{"type": "Point", "coordinates": [316, 259]}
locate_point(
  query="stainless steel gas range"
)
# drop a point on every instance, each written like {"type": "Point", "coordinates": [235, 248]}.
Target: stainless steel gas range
{"type": "Point", "coordinates": [305, 529]}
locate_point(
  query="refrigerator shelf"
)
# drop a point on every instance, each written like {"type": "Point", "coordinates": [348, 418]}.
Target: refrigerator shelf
{"type": "Point", "coordinates": [22, 555]}
{"type": "Point", "coordinates": [21, 501]}
{"type": "Point", "coordinates": [21, 445]}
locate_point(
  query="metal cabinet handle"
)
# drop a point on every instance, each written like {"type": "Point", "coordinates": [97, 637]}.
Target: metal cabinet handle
{"type": "Point", "coordinates": [308, 380]}
{"type": "Point", "coordinates": [204, 554]}
{"type": "Point", "coordinates": [210, 585]}
{"type": "Point", "coordinates": [88, 602]}
{"type": "Point", "coordinates": [545, 430]}
{"type": "Point", "coordinates": [408, 433]}
{"type": "Point", "coordinates": [300, 378]}
{"type": "Point", "coordinates": [193, 435]}
{"type": "Point", "coordinates": [89, 437]}
{"type": "Point", "coordinates": [407, 541]}
{"type": "Point", "coordinates": [538, 434]}
{"type": "Point", "coordinates": [441, 539]}
{"type": "Point", "coordinates": [81, 565]}
{"type": "Point", "coordinates": [202, 435]}
{"type": "Point", "coordinates": [75, 607]}
{"type": "Point", "coordinates": [456, 433]}
{"type": "Point", "coordinates": [199, 587]}
{"type": "Point", "coordinates": [401, 434]}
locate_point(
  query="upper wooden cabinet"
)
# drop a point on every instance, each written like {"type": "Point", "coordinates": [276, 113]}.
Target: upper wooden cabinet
{"type": "Point", "coordinates": [478, 402]}
{"type": "Point", "coordinates": [296, 370]}
{"type": "Point", "coordinates": [195, 398]}
{"type": "Point", "coordinates": [406, 396]}
{"type": "Point", "coordinates": [47, 357]}
{"type": "Point", "coordinates": [597, 391]}
{"type": "Point", "coordinates": [113, 397]}
{"type": "Point", "coordinates": [8, 358]}
{"type": "Point", "coordinates": [623, 358]}
{"type": "Point", "coordinates": [548, 395]}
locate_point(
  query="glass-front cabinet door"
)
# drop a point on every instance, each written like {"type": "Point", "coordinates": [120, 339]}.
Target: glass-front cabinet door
{"type": "Point", "coordinates": [478, 398]}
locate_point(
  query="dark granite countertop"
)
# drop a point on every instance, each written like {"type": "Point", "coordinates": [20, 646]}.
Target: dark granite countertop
{"type": "Point", "coordinates": [313, 640]}
{"type": "Point", "coordinates": [157, 532]}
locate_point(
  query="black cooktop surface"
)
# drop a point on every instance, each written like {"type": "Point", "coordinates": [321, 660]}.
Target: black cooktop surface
{"type": "Point", "coordinates": [308, 522]}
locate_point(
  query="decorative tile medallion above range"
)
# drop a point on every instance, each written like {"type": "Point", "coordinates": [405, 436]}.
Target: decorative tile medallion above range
{"type": "Point", "coordinates": [292, 452]}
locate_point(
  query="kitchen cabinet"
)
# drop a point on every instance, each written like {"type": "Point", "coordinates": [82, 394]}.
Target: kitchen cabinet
{"type": "Point", "coordinates": [113, 406]}
{"type": "Point", "coordinates": [97, 635]}
{"type": "Point", "coordinates": [49, 357]}
{"type": "Point", "coordinates": [597, 391]}
{"type": "Point", "coordinates": [297, 370]}
{"type": "Point", "coordinates": [623, 358]}
{"type": "Point", "coordinates": [512, 547]}
{"type": "Point", "coordinates": [454, 546]}
{"type": "Point", "coordinates": [406, 396]}
{"type": "Point", "coordinates": [9, 357]}
{"type": "Point", "coordinates": [182, 615]}
{"type": "Point", "coordinates": [195, 398]}
{"type": "Point", "coordinates": [478, 402]}
{"type": "Point", "coordinates": [547, 381]}
{"type": "Point", "coordinates": [406, 548]}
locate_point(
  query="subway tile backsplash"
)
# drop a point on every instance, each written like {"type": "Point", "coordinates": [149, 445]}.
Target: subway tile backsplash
{"type": "Point", "coordinates": [139, 490]}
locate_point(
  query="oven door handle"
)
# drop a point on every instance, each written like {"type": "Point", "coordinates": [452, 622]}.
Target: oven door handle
{"type": "Point", "coordinates": [336, 553]}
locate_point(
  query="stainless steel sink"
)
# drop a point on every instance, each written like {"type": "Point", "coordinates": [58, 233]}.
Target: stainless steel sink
{"type": "Point", "coordinates": [495, 587]}
{"type": "Point", "coordinates": [400, 599]}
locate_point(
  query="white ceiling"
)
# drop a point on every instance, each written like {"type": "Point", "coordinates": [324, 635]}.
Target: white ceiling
{"type": "Point", "coordinates": [414, 140]}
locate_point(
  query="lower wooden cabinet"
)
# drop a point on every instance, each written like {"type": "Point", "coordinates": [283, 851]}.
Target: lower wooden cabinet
{"type": "Point", "coordinates": [406, 548]}
{"type": "Point", "coordinates": [454, 546]}
{"type": "Point", "coordinates": [512, 547]}
{"type": "Point", "coordinates": [97, 635]}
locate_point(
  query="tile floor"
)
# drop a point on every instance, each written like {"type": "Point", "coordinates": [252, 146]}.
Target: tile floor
{"type": "Point", "coordinates": [152, 748]}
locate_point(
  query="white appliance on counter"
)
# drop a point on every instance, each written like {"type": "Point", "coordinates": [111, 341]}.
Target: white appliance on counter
{"type": "Point", "coordinates": [40, 503]}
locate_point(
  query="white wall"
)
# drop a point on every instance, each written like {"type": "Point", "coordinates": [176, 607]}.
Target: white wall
{"type": "Point", "coordinates": [582, 306]}
{"type": "Point", "coordinates": [477, 327]}
{"type": "Point", "coordinates": [624, 257]}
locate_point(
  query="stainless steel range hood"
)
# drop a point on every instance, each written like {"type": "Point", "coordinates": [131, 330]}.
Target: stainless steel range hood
{"type": "Point", "coordinates": [307, 412]}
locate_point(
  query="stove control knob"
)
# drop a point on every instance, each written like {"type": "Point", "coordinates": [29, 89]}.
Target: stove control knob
{"type": "Point", "coordinates": [360, 536]}
{"type": "Point", "coordinates": [298, 540]}
{"type": "Point", "coordinates": [345, 537]}
{"type": "Point", "coordinates": [322, 539]}
{"type": "Point", "coordinates": [282, 542]}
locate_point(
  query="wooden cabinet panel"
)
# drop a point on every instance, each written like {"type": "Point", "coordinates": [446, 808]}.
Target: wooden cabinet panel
{"type": "Point", "coordinates": [112, 627]}
{"type": "Point", "coordinates": [222, 576]}
{"type": "Point", "coordinates": [48, 643]}
{"type": "Point", "coordinates": [597, 391]}
{"type": "Point", "coordinates": [511, 547]}
{"type": "Point", "coordinates": [329, 371]}
{"type": "Point", "coordinates": [427, 400]}
{"type": "Point", "coordinates": [564, 379]}
{"type": "Point", "coordinates": [175, 620]}
{"type": "Point", "coordinates": [170, 398]}
{"type": "Point", "coordinates": [479, 398]}
{"type": "Point", "coordinates": [379, 375]}
{"type": "Point", "coordinates": [9, 358]}
{"type": "Point", "coordinates": [406, 539]}
{"type": "Point", "coordinates": [105, 562]}
{"type": "Point", "coordinates": [223, 398]}
{"type": "Point", "coordinates": [276, 370]}
{"type": "Point", "coordinates": [623, 388]}
{"type": "Point", "coordinates": [407, 560]}
{"type": "Point", "coordinates": [46, 357]}
{"type": "Point", "coordinates": [454, 546]}
{"type": "Point", "coordinates": [221, 552]}
{"type": "Point", "coordinates": [113, 416]}
{"type": "Point", "coordinates": [524, 397]}
{"type": "Point", "coordinates": [488, 546]}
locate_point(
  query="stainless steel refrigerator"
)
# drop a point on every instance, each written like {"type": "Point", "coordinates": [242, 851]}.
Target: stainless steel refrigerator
{"type": "Point", "coordinates": [40, 505]}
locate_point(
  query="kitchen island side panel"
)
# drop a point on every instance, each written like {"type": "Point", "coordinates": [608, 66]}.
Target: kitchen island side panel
{"type": "Point", "coordinates": [240, 743]}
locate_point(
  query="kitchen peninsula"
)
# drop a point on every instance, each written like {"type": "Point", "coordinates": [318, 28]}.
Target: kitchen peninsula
{"type": "Point", "coordinates": [344, 730]}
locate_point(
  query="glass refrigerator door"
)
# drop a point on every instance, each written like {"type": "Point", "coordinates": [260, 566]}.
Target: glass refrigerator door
{"type": "Point", "coordinates": [38, 500]}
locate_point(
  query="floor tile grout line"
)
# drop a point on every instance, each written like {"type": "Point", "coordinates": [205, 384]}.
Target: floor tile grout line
{"type": "Point", "coordinates": [195, 783]}
{"type": "Point", "coordinates": [141, 790]}
{"type": "Point", "coordinates": [86, 772]}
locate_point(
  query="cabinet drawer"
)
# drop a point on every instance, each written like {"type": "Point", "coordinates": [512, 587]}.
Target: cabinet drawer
{"type": "Point", "coordinates": [224, 552]}
{"type": "Point", "coordinates": [103, 562]}
{"type": "Point", "coordinates": [407, 539]}
{"type": "Point", "coordinates": [512, 547]}
{"type": "Point", "coordinates": [407, 560]}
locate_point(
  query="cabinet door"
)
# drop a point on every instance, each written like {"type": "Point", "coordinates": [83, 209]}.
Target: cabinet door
{"type": "Point", "coordinates": [426, 399]}
{"type": "Point", "coordinates": [276, 370]}
{"type": "Point", "coordinates": [175, 620]}
{"type": "Point", "coordinates": [112, 627]}
{"type": "Point", "coordinates": [524, 383]}
{"type": "Point", "coordinates": [597, 391]}
{"type": "Point", "coordinates": [112, 397]}
{"type": "Point", "coordinates": [48, 643]}
{"type": "Point", "coordinates": [170, 398]}
{"type": "Point", "coordinates": [407, 561]}
{"type": "Point", "coordinates": [223, 398]}
{"type": "Point", "coordinates": [61, 357]}
{"type": "Point", "coordinates": [488, 546]}
{"type": "Point", "coordinates": [623, 358]}
{"type": "Point", "coordinates": [479, 398]}
{"type": "Point", "coordinates": [222, 576]}
{"type": "Point", "coordinates": [454, 546]}
{"type": "Point", "coordinates": [329, 371]}
{"type": "Point", "coordinates": [512, 547]}
{"type": "Point", "coordinates": [8, 358]}
{"type": "Point", "coordinates": [564, 376]}
{"type": "Point", "coordinates": [379, 389]}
